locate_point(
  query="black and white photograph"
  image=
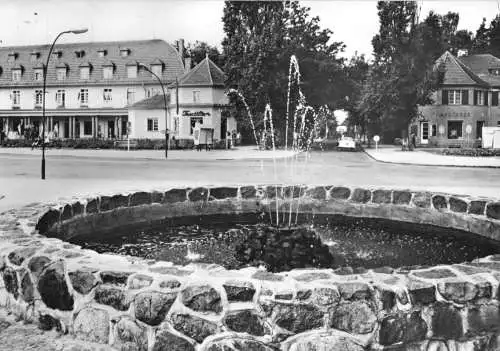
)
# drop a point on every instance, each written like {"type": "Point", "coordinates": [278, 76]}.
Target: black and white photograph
{"type": "Point", "coordinates": [210, 175]}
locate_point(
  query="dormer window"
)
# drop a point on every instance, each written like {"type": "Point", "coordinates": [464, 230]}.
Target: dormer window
{"type": "Point", "coordinates": [124, 52]}
{"type": "Point", "coordinates": [38, 74]}
{"type": "Point", "coordinates": [157, 69]}
{"type": "Point", "coordinates": [56, 54]}
{"type": "Point", "coordinates": [79, 53]}
{"type": "Point", "coordinates": [85, 71]}
{"type": "Point", "coordinates": [17, 72]}
{"type": "Point", "coordinates": [35, 55]}
{"type": "Point", "coordinates": [61, 72]}
{"type": "Point", "coordinates": [107, 70]}
{"type": "Point", "coordinates": [494, 71]}
{"type": "Point", "coordinates": [102, 52]}
{"type": "Point", "coordinates": [13, 56]}
{"type": "Point", "coordinates": [131, 69]}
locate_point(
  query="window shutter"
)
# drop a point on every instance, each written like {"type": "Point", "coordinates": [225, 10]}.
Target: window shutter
{"type": "Point", "coordinates": [475, 97]}
{"type": "Point", "coordinates": [494, 98]}
{"type": "Point", "coordinates": [444, 97]}
{"type": "Point", "coordinates": [465, 97]}
{"type": "Point", "coordinates": [486, 93]}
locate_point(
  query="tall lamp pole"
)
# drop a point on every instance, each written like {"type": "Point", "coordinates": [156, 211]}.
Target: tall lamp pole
{"type": "Point", "coordinates": [164, 103]}
{"type": "Point", "coordinates": [45, 68]}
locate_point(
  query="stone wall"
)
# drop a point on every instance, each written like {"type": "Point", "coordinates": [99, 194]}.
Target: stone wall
{"type": "Point", "coordinates": [136, 304]}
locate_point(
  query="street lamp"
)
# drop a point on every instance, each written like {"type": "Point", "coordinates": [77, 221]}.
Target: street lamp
{"type": "Point", "coordinates": [165, 105]}
{"type": "Point", "coordinates": [74, 31]}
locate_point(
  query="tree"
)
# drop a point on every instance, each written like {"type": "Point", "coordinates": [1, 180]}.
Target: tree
{"type": "Point", "coordinates": [260, 38]}
{"type": "Point", "coordinates": [481, 40]}
{"type": "Point", "coordinates": [199, 50]}
{"type": "Point", "coordinates": [494, 37]}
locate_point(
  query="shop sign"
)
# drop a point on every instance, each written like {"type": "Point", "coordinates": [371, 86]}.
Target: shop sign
{"type": "Point", "coordinates": [195, 113]}
{"type": "Point", "coordinates": [454, 114]}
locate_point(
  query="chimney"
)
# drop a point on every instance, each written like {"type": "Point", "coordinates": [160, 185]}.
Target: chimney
{"type": "Point", "coordinates": [187, 64]}
{"type": "Point", "coordinates": [181, 48]}
{"type": "Point", "coordinates": [462, 52]}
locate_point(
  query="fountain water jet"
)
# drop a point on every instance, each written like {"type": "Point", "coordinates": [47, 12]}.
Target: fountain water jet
{"type": "Point", "coordinates": [240, 95]}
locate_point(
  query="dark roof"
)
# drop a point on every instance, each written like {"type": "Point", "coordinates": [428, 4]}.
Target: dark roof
{"type": "Point", "coordinates": [481, 64]}
{"type": "Point", "coordinates": [205, 73]}
{"type": "Point", "coordinates": [144, 51]}
{"type": "Point", "coordinates": [457, 73]}
{"type": "Point", "coordinates": [155, 102]}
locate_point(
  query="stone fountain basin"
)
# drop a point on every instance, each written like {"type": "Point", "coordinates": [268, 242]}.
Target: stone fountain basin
{"type": "Point", "coordinates": [147, 305]}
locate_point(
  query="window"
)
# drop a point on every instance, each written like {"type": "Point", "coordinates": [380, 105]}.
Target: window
{"type": "Point", "coordinates": [479, 129]}
{"type": "Point", "coordinates": [101, 52]}
{"type": "Point", "coordinates": [61, 73]}
{"type": "Point", "coordinates": [152, 92]}
{"type": "Point", "coordinates": [194, 121]}
{"type": "Point", "coordinates": [60, 98]}
{"type": "Point", "coordinates": [38, 74]}
{"type": "Point", "coordinates": [87, 127]}
{"type": "Point", "coordinates": [16, 97]}
{"type": "Point", "coordinates": [132, 71]}
{"type": "Point", "coordinates": [79, 53]}
{"type": "Point", "coordinates": [156, 69]}
{"type": "Point", "coordinates": [38, 97]}
{"type": "Point", "coordinates": [16, 75]}
{"type": "Point", "coordinates": [434, 130]}
{"type": "Point", "coordinates": [130, 96]}
{"type": "Point", "coordinates": [152, 124]}
{"type": "Point", "coordinates": [455, 97]}
{"type": "Point", "coordinates": [196, 96]}
{"type": "Point", "coordinates": [84, 73]}
{"type": "Point", "coordinates": [479, 97]}
{"type": "Point", "coordinates": [124, 52]}
{"type": "Point", "coordinates": [107, 72]}
{"type": "Point", "coordinates": [107, 95]}
{"type": "Point", "coordinates": [83, 96]}
{"type": "Point", "coordinates": [455, 129]}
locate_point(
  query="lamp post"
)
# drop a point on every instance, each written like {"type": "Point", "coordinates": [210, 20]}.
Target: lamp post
{"type": "Point", "coordinates": [45, 68]}
{"type": "Point", "coordinates": [165, 105]}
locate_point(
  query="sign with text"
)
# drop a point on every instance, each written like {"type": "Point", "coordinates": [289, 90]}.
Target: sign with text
{"type": "Point", "coordinates": [195, 113]}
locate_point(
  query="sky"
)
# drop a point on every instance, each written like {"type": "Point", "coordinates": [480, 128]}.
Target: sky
{"type": "Point", "coordinates": [30, 22]}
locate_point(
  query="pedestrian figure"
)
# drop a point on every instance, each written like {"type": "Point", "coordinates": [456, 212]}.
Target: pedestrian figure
{"type": "Point", "coordinates": [413, 141]}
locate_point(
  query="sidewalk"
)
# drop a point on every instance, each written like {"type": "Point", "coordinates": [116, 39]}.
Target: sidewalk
{"type": "Point", "coordinates": [418, 157]}
{"type": "Point", "coordinates": [238, 153]}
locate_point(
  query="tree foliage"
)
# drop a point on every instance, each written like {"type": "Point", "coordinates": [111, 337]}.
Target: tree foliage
{"type": "Point", "coordinates": [200, 49]}
{"type": "Point", "coordinates": [260, 37]}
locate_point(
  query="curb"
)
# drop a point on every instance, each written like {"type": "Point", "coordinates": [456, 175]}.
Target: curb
{"type": "Point", "coordinates": [426, 164]}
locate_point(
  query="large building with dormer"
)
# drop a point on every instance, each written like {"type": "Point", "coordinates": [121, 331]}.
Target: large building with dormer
{"type": "Point", "coordinates": [89, 85]}
{"type": "Point", "coordinates": [466, 101]}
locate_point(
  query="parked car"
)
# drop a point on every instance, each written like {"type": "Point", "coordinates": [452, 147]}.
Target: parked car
{"type": "Point", "coordinates": [348, 143]}
{"type": "Point", "coordinates": [324, 144]}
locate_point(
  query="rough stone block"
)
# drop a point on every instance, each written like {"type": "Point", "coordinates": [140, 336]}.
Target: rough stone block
{"type": "Point", "coordinates": [457, 291]}
{"type": "Point", "coordinates": [248, 192]}
{"type": "Point", "coordinates": [262, 275]}
{"type": "Point", "coordinates": [493, 210]}
{"type": "Point", "coordinates": [66, 213]}
{"type": "Point", "coordinates": [113, 277]}
{"type": "Point", "coordinates": [109, 203]}
{"type": "Point", "coordinates": [272, 191]}
{"type": "Point", "coordinates": [170, 284]}
{"type": "Point", "coordinates": [53, 288]}
{"type": "Point", "coordinates": [434, 273]}
{"type": "Point", "coordinates": [354, 317]}
{"type": "Point", "coordinates": [194, 327]}
{"type": "Point", "coordinates": [240, 344]}
{"type": "Point", "coordinates": [340, 193]}
{"type": "Point", "coordinates": [92, 206]}
{"type": "Point", "coordinates": [175, 195]}
{"type": "Point", "coordinates": [48, 220]}
{"type": "Point", "coordinates": [223, 193]}
{"type": "Point", "coordinates": [284, 296]}
{"type": "Point", "coordinates": [421, 292]}
{"type": "Point", "coordinates": [422, 200]}
{"type": "Point", "coordinates": [416, 328]}
{"type": "Point", "coordinates": [297, 318]}
{"type": "Point", "coordinates": [318, 193]}
{"type": "Point", "coordinates": [293, 192]}
{"type": "Point", "coordinates": [392, 330]}
{"type": "Point", "coordinates": [156, 197]}
{"type": "Point", "coordinates": [303, 294]}
{"type": "Point", "coordinates": [484, 318]}
{"type": "Point", "coordinates": [309, 277]}
{"type": "Point", "coordinates": [10, 281]}
{"type": "Point", "coordinates": [246, 322]}
{"type": "Point", "coordinates": [477, 207]}
{"type": "Point", "coordinates": [354, 290]}
{"type": "Point", "coordinates": [447, 322]}
{"type": "Point", "coordinates": [198, 194]}
{"type": "Point", "coordinates": [77, 208]}
{"type": "Point", "coordinates": [111, 296]}
{"type": "Point", "coordinates": [27, 288]}
{"type": "Point", "coordinates": [239, 290]}
{"type": "Point", "coordinates": [168, 341]}
{"type": "Point", "coordinates": [151, 307]}
{"type": "Point", "coordinates": [381, 196]}
{"type": "Point", "coordinates": [37, 264]}
{"type": "Point", "coordinates": [171, 271]}
{"type": "Point", "coordinates": [326, 341]}
{"type": "Point", "coordinates": [47, 322]}
{"type": "Point", "coordinates": [361, 195]}
{"type": "Point", "coordinates": [325, 296]}
{"type": "Point", "coordinates": [458, 205]}
{"type": "Point", "coordinates": [82, 281]}
{"type": "Point", "coordinates": [130, 336]}
{"type": "Point", "coordinates": [139, 281]}
{"type": "Point", "coordinates": [201, 298]}
{"type": "Point", "coordinates": [401, 197]}
{"type": "Point", "coordinates": [439, 202]}
{"type": "Point", "coordinates": [92, 325]}
{"type": "Point", "coordinates": [140, 198]}
{"type": "Point", "coordinates": [18, 256]}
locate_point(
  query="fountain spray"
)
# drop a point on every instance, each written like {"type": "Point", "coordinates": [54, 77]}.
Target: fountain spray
{"type": "Point", "coordinates": [249, 113]}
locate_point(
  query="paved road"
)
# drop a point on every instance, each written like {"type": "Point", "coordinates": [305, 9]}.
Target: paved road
{"type": "Point", "coordinates": [68, 176]}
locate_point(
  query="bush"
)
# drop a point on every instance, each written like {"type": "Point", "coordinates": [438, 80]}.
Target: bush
{"type": "Point", "coordinates": [476, 152]}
